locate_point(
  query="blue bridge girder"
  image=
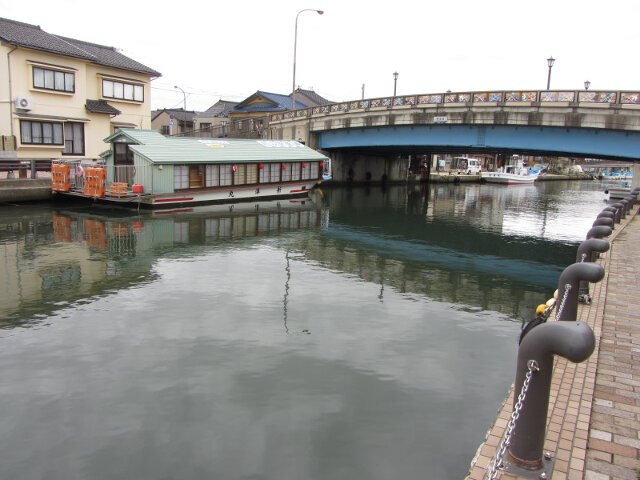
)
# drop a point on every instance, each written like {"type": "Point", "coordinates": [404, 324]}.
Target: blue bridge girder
{"type": "Point", "coordinates": [533, 140]}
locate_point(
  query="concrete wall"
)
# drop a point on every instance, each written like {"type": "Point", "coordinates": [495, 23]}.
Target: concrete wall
{"type": "Point", "coordinates": [356, 168]}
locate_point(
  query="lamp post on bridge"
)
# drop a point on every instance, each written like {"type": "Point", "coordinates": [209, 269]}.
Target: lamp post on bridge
{"type": "Point", "coordinates": [295, 46]}
{"type": "Point", "coordinates": [550, 62]}
{"type": "Point", "coordinates": [395, 82]}
{"type": "Point", "coordinates": [587, 84]}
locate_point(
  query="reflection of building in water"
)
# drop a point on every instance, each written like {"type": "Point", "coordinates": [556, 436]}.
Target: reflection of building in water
{"type": "Point", "coordinates": [69, 255]}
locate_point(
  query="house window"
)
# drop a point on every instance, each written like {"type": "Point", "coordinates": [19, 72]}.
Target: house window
{"type": "Point", "coordinates": [122, 91]}
{"type": "Point", "coordinates": [48, 79]}
{"type": "Point", "coordinates": [165, 130]}
{"type": "Point", "coordinates": [73, 138]}
{"type": "Point", "coordinates": [40, 133]}
{"type": "Point", "coordinates": [180, 177]}
{"type": "Point", "coordinates": [205, 126]}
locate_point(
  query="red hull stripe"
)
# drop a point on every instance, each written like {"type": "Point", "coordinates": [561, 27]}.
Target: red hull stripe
{"type": "Point", "coordinates": [164, 200]}
{"type": "Point", "coordinates": [183, 210]}
{"type": "Point", "coordinates": [298, 191]}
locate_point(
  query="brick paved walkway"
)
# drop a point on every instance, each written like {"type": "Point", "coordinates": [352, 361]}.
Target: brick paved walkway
{"type": "Point", "coordinates": [593, 423]}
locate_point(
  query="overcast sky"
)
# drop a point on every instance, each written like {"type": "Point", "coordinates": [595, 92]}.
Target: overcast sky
{"type": "Point", "coordinates": [230, 49]}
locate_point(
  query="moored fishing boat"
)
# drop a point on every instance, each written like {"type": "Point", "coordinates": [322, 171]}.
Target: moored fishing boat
{"type": "Point", "coordinates": [513, 173]}
{"type": "Point", "coordinates": [510, 177]}
{"type": "Point", "coordinates": [144, 168]}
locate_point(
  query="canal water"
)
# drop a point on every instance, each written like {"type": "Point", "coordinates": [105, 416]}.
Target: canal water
{"type": "Point", "coordinates": [367, 334]}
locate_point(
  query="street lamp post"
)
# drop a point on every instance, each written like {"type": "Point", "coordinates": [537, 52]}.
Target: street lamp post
{"type": "Point", "coordinates": [295, 46]}
{"type": "Point", "coordinates": [587, 84]}
{"type": "Point", "coordinates": [395, 82]}
{"type": "Point", "coordinates": [550, 62]}
{"type": "Point", "coordinates": [184, 106]}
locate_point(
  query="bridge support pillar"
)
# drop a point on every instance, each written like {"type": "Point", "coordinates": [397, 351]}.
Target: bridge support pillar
{"type": "Point", "coordinates": [360, 169]}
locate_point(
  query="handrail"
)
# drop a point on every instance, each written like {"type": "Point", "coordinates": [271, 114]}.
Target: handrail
{"type": "Point", "coordinates": [486, 98]}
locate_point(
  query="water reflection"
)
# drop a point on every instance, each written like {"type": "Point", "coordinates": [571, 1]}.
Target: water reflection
{"type": "Point", "coordinates": [367, 334]}
{"type": "Point", "coordinates": [54, 257]}
{"type": "Point", "coordinates": [485, 247]}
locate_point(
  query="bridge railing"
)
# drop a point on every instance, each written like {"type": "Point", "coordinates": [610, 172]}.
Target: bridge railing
{"type": "Point", "coordinates": [507, 97]}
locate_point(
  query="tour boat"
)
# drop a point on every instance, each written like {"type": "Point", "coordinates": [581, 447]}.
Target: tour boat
{"type": "Point", "coordinates": [144, 168]}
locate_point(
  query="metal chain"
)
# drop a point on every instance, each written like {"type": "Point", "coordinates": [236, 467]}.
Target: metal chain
{"type": "Point", "coordinates": [498, 464]}
{"type": "Point", "coordinates": [567, 289]}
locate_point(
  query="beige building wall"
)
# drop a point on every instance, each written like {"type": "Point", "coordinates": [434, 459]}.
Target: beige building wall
{"type": "Point", "coordinates": [16, 80]}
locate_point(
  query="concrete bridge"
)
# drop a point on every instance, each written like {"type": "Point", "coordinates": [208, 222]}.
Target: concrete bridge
{"type": "Point", "coordinates": [369, 139]}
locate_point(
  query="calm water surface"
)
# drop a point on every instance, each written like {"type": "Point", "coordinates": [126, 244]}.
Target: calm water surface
{"type": "Point", "coordinates": [369, 334]}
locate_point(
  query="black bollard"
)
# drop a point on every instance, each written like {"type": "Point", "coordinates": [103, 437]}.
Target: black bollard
{"type": "Point", "coordinates": [604, 221]}
{"type": "Point", "coordinates": [625, 206]}
{"type": "Point", "coordinates": [599, 231]}
{"type": "Point", "coordinates": [569, 286]}
{"type": "Point", "coordinates": [589, 251]}
{"type": "Point", "coordinates": [607, 214]}
{"type": "Point", "coordinates": [574, 341]}
{"type": "Point", "coordinates": [620, 208]}
{"type": "Point", "coordinates": [615, 211]}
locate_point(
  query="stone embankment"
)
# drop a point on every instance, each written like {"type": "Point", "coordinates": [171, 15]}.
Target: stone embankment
{"type": "Point", "coordinates": [24, 189]}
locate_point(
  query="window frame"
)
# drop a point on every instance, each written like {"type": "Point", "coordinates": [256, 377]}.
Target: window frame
{"type": "Point", "coordinates": [39, 125]}
{"type": "Point", "coordinates": [119, 89]}
{"type": "Point", "coordinates": [74, 141]}
{"type": "Point", "coordinates": [65, 75]}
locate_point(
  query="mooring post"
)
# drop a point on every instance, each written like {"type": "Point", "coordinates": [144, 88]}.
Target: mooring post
{"type": "Point", "coordinates": [568, 287]}
{"type": "Point", "coordinates": [589, 251]}
{"type": "Point", "coordinates": [615, 211]}
{"type": "Point", "coordinates": [604, 221]}
{"type": "Point", "coordinates": [599, 231]}
{"type": "Point", "coordinates": [607, 214]}
{"type": "Point", "coordinates": [620, 208]}
{"type": "Point", "coordinates": [574, 341]}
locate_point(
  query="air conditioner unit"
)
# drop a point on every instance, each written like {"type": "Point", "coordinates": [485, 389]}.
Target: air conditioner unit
{"type": "Point", "coordinates": [23, 103]}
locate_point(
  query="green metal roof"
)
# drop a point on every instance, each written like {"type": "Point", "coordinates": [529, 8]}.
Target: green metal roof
{"type": "Point", "coordinates": [180, 150]}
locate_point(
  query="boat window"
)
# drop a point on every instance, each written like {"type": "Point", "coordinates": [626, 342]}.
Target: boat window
{"type": "Point", "coordinates": [306, 171]}
{"type": "Point", "coordinates": [295, 173]}
{"type": "Point", "coordinates": [314, 169]}
{"type": "Point", "coordinates": [212, 178]}
{"type": "Point", "coordinates": [240, 175]}
{"type": "Point", "coordinates": [264, 173]}
{"type": "Point", "coordinates": [225, 175]}
{"type": "Point", "coordinates": [286, 172]}
{"type": "Point", "coordinates": [180, 177]}
{"type": "Point", "coordinates": [252, 173]}
{"type": "Point", "coordinates": [274, 172]}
